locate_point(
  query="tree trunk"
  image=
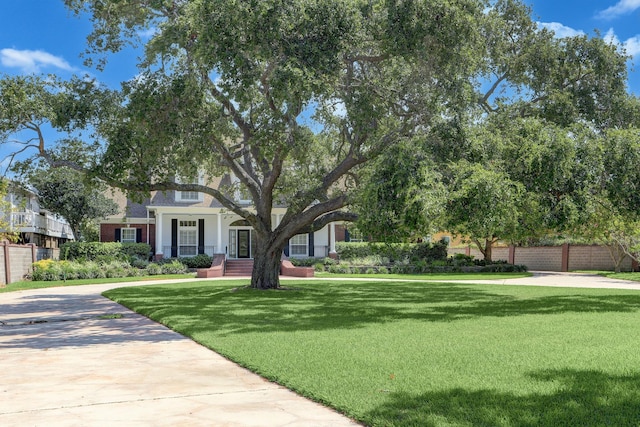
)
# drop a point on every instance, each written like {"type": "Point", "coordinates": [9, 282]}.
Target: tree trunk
{"type": "Point", "coordinates": [488, 250]}
{"type": "Point", "coordinates": [266, 266]}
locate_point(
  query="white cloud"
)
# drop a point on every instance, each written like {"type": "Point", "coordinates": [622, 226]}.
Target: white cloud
{"type": "Point", "coordinates": [561, 30]}
{"type": "Point", "coordinates": [631, 45]}
{"type": "Point", "coordinates": [620, 8]}
{"type": "Point", "coordinates": [31, 61]}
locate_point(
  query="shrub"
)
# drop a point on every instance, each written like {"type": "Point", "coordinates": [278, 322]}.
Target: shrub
{"type": "Point", "coordinates": [503, 268]}
{"type": "Point", "coordinates": [462, 260]}
{"type": "Point", "coordinates": [174, 267]}
{"type": "Point", "coordinates": [198, 261]}
{"type": "Point", "coordinates": [154, 269]}
{"type": "Point", "coordinates": [105, 252]}
{"type": "Point", "coordinates": [383, 270]}
{"type": "Point", "coordinates": [392, 251]}
{"type": "Point", "coordinates": [136, 250]}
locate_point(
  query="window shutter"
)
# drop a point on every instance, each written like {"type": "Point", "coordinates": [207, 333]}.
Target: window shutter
{"type": "Point", "coordinates": [117, 235]}
{"type": "Point", "coordinates": [347, 236]}
{"type": "Point", "coordinates": [286, 249]}
{"type": "Point", "coordinates": [138, 235]}
{"type": "Point", "coordinates": [311, 249]}
{"type": "Point", "coordinates": [174, 238]}
{"type": "Point", "coordinates": [201, 236]}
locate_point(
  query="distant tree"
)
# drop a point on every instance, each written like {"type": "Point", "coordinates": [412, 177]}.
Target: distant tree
{"type": "Point", "coordinates": [67, 193]}
{"type": "Point", "coordinates": [483, 205]}
{"type": "Point", "coordinates": [8, 228]}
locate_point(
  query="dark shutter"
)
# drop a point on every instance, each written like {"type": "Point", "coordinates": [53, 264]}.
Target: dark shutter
{"type": "Point", "coordinates": [286, 249]}
{"type": "Point", "coordinates": [138, 235]}
{"type": "Point", "coordinates": [201, 236]}
{"type": "Point", "coordinates": [174, 238]}
{"type": "Point", "coordinates": [117, 237]}
{"type": "Point", "coordinates": [347, 237]}
{"type": "Point", "coordinates": [310, 249]}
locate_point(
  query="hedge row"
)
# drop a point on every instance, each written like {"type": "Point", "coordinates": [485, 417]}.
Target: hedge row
{"type": "Point", "coordinates": [48, 270]}
{"type": "Point", "coordinates": [392, 251]}
{"type": "Point", "coordinates": [104, 251]}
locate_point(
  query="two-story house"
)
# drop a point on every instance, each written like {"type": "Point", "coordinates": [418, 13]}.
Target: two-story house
{"type": "Point", "coordinates": [34, 224]}
{"type": "Point", "coordinates": [185, 223]}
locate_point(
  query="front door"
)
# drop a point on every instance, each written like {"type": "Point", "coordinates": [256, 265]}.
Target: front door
{"type": "Point", "coordinates": [244, 243]}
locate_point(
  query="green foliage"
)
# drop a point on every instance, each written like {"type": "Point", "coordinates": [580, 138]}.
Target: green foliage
{"type": "Point", "coordinates": [71, 195]}
{"type": "Point", "coordinates": [198, 261]}
{"type": "Point", "coordinates": [50, 270]}
{"type": "Point", "coordinates": [391, 251]}
{"type": "Point", "coordinates": [174, 267]}
{"type": "Point", "coordinates": [105, 251]}
{"type": "Point", "coordinates": [136, 250]}
{"type": "Point", "coordinates": [8, 230]}
{"type": "Point", "coordinates": [153, 269]}
{"type": "Point", "coordinates": [403, 196]}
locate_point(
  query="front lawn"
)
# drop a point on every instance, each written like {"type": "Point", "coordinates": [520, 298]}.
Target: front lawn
{"type": "Point", "coordinates": [424, 354]}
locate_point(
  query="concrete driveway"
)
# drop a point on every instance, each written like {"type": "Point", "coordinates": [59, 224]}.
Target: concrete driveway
{"type": "Point", "coordinates": [70, 357]}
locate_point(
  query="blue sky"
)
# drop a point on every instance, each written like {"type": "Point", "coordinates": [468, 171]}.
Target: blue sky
{"type": "Point", "coordinates": [41, 36]}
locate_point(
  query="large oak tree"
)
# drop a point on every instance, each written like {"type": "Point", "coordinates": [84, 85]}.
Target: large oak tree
{"type": "Point", "coordinates": [292, 97]}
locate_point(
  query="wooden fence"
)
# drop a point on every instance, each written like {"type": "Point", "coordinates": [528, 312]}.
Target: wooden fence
{"type": "Point", "coordinates": [554, 258]}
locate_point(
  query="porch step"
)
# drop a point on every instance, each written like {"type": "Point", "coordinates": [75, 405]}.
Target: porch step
{"type": "Point", "coordinates": [238, 267]}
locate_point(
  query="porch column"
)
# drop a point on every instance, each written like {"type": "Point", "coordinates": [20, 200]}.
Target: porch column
{"type": "Point", "coordinates": [332, 240]}
{"type": "Point", "coordinates": [219, 239]}
{"type": "Point", "coordinates": [159, 242]}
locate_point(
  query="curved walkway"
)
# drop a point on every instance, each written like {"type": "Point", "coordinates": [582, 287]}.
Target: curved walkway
{"type": "Point", "coordinates": [70, 357]}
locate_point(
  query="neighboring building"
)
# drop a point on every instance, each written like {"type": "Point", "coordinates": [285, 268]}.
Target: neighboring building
{"type": "Point", "coordinates": [184, 224]}
{"type": "Point", "coordinates": [34, 224]}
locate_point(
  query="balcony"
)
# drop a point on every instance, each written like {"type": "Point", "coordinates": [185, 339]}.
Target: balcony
{"type": "Point", "coordinates": [31, 222]}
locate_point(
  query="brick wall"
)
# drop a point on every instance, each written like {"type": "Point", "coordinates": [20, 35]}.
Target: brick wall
{"type": "Point", "coordinates": [550, 258]}
{"type": "Point", "coordinates": [540, 258]}
{"type": "Point", "coordinates": [594, 258]}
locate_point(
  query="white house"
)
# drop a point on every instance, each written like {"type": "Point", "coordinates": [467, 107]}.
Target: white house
{"type": "Point", "coordinates": [184, 224]}
{"type": "Point", "coordinates": [34, 224]}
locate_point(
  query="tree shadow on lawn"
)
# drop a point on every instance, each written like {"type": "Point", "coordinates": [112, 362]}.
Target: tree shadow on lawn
{"type": "Point", "coordinates": [326, 306]}
{"type": "Point", "coordinates": [583, 398]}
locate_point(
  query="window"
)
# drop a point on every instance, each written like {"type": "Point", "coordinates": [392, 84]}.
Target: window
{"type": "Point", "coordinates": [189, 196]}
{"type": "Point", "coordinates": [188, 238]}
{"type": "Point", "coordinates": [241, 193]}
{"type": "Point", "coordinates": [128, 235]}
{"type": "Point", "coordinates": [298, 245]}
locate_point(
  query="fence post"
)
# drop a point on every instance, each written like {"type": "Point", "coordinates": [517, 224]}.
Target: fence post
{"type": "Point", "coordinates": [565, 258]}
{"type": "Point", "coordinates": [34, 253]}
{"type": "Point", "coordinates": [7, 263]}
{"type": "Point", "coordinates": [512, 254]}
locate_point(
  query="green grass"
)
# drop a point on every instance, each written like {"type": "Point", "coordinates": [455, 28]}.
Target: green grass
{"type": "Point", "coordinates": [431, 276]}
{"type": "Point", "coordinates": [23, 285]}
{"type": "Point", "coordinates": [623, 276]}
{"type": "Point", "coordinates": [635, 276]}
{"type": "Point", "coordinates": [424, 354]}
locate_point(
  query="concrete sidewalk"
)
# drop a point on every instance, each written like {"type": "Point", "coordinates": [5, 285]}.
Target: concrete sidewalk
{"type": "Point", "coordinates": [70, 357]}
{"type": "Point", "coordinates": [67, 358]}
